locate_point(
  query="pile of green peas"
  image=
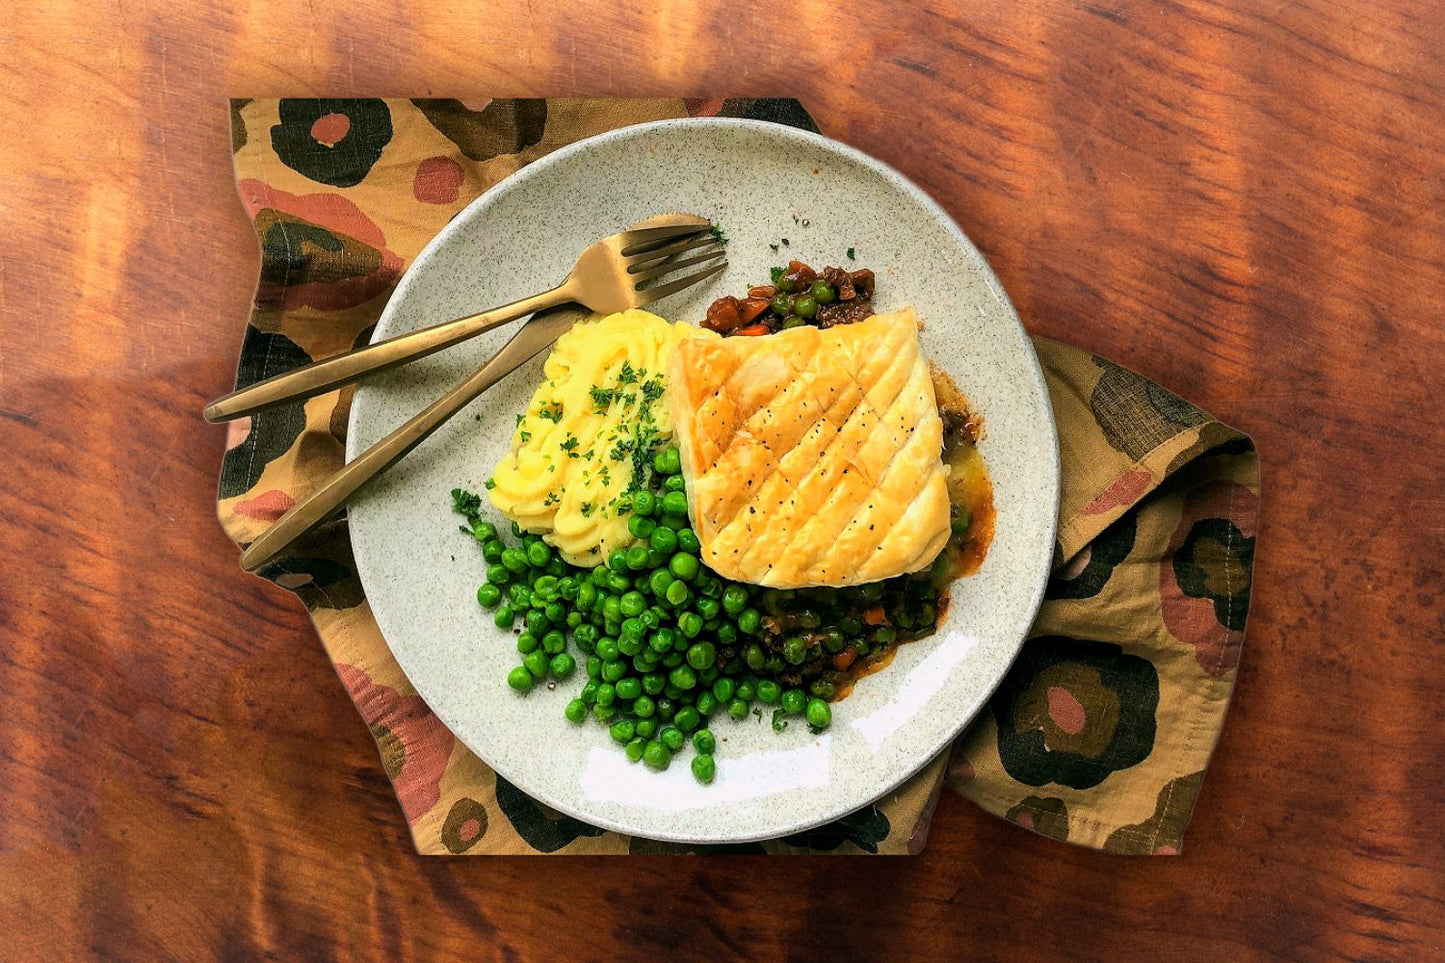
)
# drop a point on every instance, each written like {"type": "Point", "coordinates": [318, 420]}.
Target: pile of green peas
{"type": "Point", "coordinates": [798, 307]}
{"type": "Point", "coordinates": [668, 645]}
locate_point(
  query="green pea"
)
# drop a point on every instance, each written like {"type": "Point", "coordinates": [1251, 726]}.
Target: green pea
{"type": "Point", "coordinates": [623, 731]}
{"type": "Point", "coordinates": [687, 719]}
{"type": "Point", "coordinates": [822, 688]}
{"type": "Point", "coordinates": [723, 689]}
{"type": "Point", "coordinates": [562, 665]}
{"type": "Point", "coordinates": [664, 540]}
{"type": "Point", "coordinates": [646, 728]}
{"type": "Point", "coordinates": [594, 669]}
{"type": "Point", "coordinates": [795, 651]}
{"type": "Point", "coordinates": [492, 551]}
{"type": "Point", "coordinates": [707, 608]}
{"type": "Point", "coordinates": [498, 574]}
{"type": "Point", "coordinates": [773, 665]}
{"type": "Point", "coordinates": [656, 755]}
{"type": "Point", "coordinates": [515, 560]}
{"type": "Point", "coordinates": [617, 582]}
{"type": "Point", "coordinates": [517, 531]}
{"type": "Point", "coordinates": [520, 679]}
{"type": "Point", "coordinates": [672, 738]}
{"type": "Point", "coordinates": [702, 655]}
{"type": "Point", "coordinates": [586, 595]}
{"type": "Point", "coordinates": [629, 688]}
{"type": "Point", "coordinates": [612, 609]}
{"type": "Point", "coordinates": [668, 461]}
{"type": "Point", "coordinates": [674, 503]}
{"type": "Point", "coordinates": [793, 701]}
{"type": "Point", "coordinates": [885, 635]}
{"type": "Point", "coordinates": [617, 560]}
{"type": "Point", "coordinates": [707, 703]}
{"type": "Point", "coordinates": [604, 714]}
{"type": "Point", "coordinates": [677, 593]}
{"type": "Point", "coordinates": [653, 682]}
{"type": "Point", "coordinates": [644, 503]}
{"type": "Point", "coordinates": [672, 523]}
{"type": "Point", "coordinates": [818, 714]}
{"type": "Point", "coordinates": [662, 640]}
{"type": "Point", "coordinates": [607, 648]}
{"type": "Point", "coordinates": [666, 707]}
{"type": "Point", "coordinates": [960, 522]}
{"type": "Point", "coordinates": [526, 642]}
{"type": "Point", "coordinates": [683, 677]}
{"type": "Point", "coordinates": [738, 709]}
{"type": "Point", "coordinates": [726, 634]}
{"type": "Point", "coordinates": [747, 690]}
{"type": "Point", "coordinates": [536, 663]}
{"type": "Point", "coordinates": [672, 690]}
{"type": "Point", "coordinates": [658, 582]}
{"type": "Point", "coordinates": [643, 706]}
{"type": "Point", "coordinates": [556, 613]}
{"type": "Point", "coordinates": [689, 624]}
{"type": "Point", "coordinates": [734, 599]}
{"type": "Point", "coordinates": [576, 710]}
{"type": "Point", "coordinates": [554, 642]}
{"type": "Point", "coordinates": [635, 749]}
{"type": "Point", "coordinates": [504, 617]}
{"type": "Point", "coordinates": [548, 585]}
{"type": "Point", "coordinates": [683, 565]}
{"type": "Point", "coordinates": [488, 595]}
{"type": "Point", "coordinates": [606, 694]}
{"type": "Point", "coordinates": [687, 541]}
{"type": "Point", "coordinates": [641, 526]}
{"type": "Point", "coordinates": [704, 741]}
{"type": "Point", "coordinates": [632, 603]}
{"type": "Point", "coordinates": [637, 558]}
{"type": "Point", "coordinates": [704, 768]}
{"type": "Point", "coordinates": [589, 691]}
{"type": "Point", "coordinates": [769, 691]}
{"type": "Point", "coordinates": [613, 671]}
{"type": "Point", "coordinates": [782, 304]}
{"type": "Point", "coordinates": [674, 483]}
{"type": "Point", "coordinates": [805, 306]}
{"type": "Point", "coordinates": [567, 588]}
{"type": "Point", "coordinates": [655, 559]}
{"type": "Point", "coordinates": [538, 554]}
{"type": "Point", "coordinates": [754, 656]}
{"type": "Point", "coordinates": [823, 292]}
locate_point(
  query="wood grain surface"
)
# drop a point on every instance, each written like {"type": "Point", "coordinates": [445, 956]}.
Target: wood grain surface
{"type": "Point", "coordinates": [1241, 200]}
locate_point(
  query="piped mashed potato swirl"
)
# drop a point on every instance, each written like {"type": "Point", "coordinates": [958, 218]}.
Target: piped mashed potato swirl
{"type": "Point", "coordinates": [585, 442]}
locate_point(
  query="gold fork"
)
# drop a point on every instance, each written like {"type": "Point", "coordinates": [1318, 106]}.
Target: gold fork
{"type": "Point", "coordinates": [614, 274]}
{"type": "Point", "coordinates": [537, 334]}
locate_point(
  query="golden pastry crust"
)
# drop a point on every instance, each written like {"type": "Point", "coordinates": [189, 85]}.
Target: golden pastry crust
{"type": "Point", "coordinates": [812, 456]}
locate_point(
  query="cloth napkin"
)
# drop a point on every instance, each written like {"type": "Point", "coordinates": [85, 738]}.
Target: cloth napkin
{"type": "Point", "coordinates": [1102, 730]}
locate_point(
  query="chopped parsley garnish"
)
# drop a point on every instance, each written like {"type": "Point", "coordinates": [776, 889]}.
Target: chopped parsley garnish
{"type": "Point", "coordinates": [570, 446]}
{"type": "Point", "coordinates": [777, 272]}
{"type": "Point", "coordinates": [552, 411]}
{"type": "Point", "coordinates": [602, 397]}
{"type": "Point", "coordinates": [520, 418]}
{"type": "Point", "coordinates": [774, 247]}
{"type": "Point", "coordinates": [652, 389]}
{"type": "Point", "coordinates": [586, 509]}
{"type": "Point", "coordinates": [467, 503]}
{"type": "Point", "coordinates": [551, 499]}
{"type": "Point", "coordinates": [526, 437]}
{"type": "Point", "coordinates": [490, 483]}
{"type": "Point", "coordinates": [852, 256]}
{"type": "Point", "coordinates": [627, 375]}
{"type": "Point", "coordinates": [718, 234]}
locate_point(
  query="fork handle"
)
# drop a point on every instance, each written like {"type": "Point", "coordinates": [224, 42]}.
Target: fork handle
{"type": "Point", "coordinates": [322, 376]}
{"type": "Point", "coordinates": [315, 508]}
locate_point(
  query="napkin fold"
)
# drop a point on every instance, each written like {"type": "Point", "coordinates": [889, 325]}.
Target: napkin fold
{"type": "Point", "coordinates": [1101, 732]}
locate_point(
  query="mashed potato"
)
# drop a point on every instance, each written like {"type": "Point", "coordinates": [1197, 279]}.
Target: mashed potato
{"type": "Point", "coordinates": [586, 440]}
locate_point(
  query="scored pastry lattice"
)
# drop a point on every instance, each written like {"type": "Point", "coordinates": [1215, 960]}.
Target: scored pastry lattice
{"type": "Point", "coordinates": [812, 457]}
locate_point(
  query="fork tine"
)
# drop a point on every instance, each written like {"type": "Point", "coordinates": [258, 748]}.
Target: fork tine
{"type": "Point", "coordinates": [637, 241]}
{"type": "Point", "coordinates": [672, 287]}
{"type": "Point", "coordinates": [655, 271]}
{"type": "Point", "coordinates": [648, 259]}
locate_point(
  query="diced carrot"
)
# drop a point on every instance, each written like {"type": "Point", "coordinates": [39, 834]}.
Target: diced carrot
{"type": "Point", "coordinates": [749, 309]}
{"type": "Point", "coordinates": [874, 615]}
{"type": "Point", "coordinates": [845, 658]}
{"type": "Point", "coordinates": [752, 330]}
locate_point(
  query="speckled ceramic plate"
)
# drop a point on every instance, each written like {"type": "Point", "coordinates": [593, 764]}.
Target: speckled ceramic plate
{"type": "Point", "coordinates": [762, 183]}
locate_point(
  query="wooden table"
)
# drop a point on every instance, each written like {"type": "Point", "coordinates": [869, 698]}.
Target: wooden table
{"type": "Point", "coordinates": [1241, 200]}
